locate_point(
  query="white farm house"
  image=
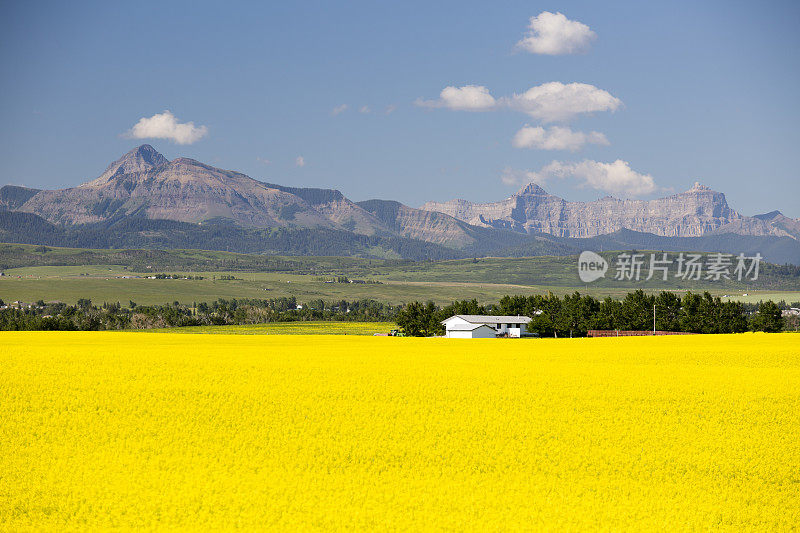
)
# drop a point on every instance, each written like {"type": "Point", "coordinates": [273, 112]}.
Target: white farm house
{"type": "Point", "coordinates": [485, 326]}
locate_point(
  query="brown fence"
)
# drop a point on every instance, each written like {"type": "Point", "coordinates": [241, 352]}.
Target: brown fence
{"type": "Point", "coordinates": [628, 333]}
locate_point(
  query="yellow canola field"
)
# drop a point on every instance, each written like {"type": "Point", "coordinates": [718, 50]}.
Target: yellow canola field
{"type": "Point", "coordinates": [159, 431]}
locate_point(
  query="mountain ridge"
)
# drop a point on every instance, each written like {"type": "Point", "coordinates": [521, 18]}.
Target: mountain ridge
{"type": "Point", "coordinates": [145, 185]}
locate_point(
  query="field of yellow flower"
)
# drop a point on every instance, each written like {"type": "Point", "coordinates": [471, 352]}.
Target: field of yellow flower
{"type": "Point", "coordinates": [134, 430]}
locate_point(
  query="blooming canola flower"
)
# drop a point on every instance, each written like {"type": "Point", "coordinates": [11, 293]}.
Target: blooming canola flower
{"type": "Point", "coordinates": [159, 430]}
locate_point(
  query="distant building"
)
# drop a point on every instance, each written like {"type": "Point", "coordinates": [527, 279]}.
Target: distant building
{"type": "Point", "coordinates": [485, 326]}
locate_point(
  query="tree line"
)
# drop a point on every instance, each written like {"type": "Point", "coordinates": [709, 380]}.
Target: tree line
{"type": "Point", "coordinates": [85, 316]}
{"type": "Point", "coordinates": [574, 315]}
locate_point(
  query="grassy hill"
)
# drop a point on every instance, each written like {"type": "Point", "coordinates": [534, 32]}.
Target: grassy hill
{"type": "Point", "coordinates": [66, 274]}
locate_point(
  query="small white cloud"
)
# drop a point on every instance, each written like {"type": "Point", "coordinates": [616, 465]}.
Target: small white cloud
{"type": "Point", "coordinates": [263, 160]}
{"type": "Point", "coordinates": [166, 126]}
{"type": "Point", "coordinates": [300, 161]}
{"type": "Point", "coordinates": [615, 178]}
{"type": "Point", "coordinates": [390, 109]}
{"type": "Point", "coordinates": [513, 176]}
{"type": "Point", "coordinates": [556, 101]}
{"type": "Point", "coordinates": [339, 109]}
{"type": "Point", "coordinates": [554, 34]}
{"type": "Point", "coordinates": [364, 109]}
{"type": "Point", "coordinates": [467, 98]}
{"type": "Point", "coordinates": [556, 138]}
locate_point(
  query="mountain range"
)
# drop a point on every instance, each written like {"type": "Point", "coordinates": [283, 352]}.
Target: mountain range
{"type": "Point", "coordinates": [144, 199]}
{"type": "Point", "coordinates": [694, 213]}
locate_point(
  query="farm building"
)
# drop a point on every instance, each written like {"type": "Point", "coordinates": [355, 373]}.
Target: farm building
{"type": "Point", "coordinates": [485, 326]}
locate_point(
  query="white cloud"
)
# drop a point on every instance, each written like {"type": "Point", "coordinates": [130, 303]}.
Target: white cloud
{"type": "Point", "coordinates": [615, 178]}
{"type": "Point", "coordinates": [339, 109]}
{"type": "Point", "coordinates": [555, 34]}
{"type": "Point", "coordinates": [263, 160]}
{"type": "Point", "coordinates": [300, 161]}
{"type": "Point", "coordinates": [166, 126]}
{"type": "Point", "coordinates": [513, 176]}
{"type": "Point", "coordinates": [550, 102]}
{"type": "Point", "coordinates": [467, 98]}
{"type": "Point", "coordinates": [390, 109]}
{"type": "Point", "coordinates": [364, 109]}
{"type": "Point", "coordinates": [557, 102]}
{"type": "Point", "coordinates": [556, 138]}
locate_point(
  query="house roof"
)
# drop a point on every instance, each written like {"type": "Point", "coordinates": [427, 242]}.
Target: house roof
{"type": "Point", "coordinates": [466, 327]}
{"type": "Point", "coordinates": [490, 319]}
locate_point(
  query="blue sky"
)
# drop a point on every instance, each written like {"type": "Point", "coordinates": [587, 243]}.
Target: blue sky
{"type": "Point", "coordinates": [704, 91]}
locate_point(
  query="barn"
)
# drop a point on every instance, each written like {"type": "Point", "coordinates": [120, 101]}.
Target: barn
{"type": "Point", "coordinates": [485, 326]}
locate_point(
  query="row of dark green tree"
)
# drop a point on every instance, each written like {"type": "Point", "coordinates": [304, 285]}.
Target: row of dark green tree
{"type": "Point", "coordinates": [84, 316]}
{"type": "Point", "coordinates": [574, 315]}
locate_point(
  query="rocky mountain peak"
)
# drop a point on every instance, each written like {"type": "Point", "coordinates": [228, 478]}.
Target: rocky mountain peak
{"type": "Point", "coordinates": [140, 159]}
{"type": "Point", "coordinates": [147, 152]}
{"type": "Point", "coordinates": [531, 189]}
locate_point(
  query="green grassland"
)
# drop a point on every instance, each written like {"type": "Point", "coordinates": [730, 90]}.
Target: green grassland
{"type": "Point", "coordinates": [144, 261]}
{"type": "Point", "coordinates": [65, 274]}
{"type": "Point", "coordinates": [107, 285]}
{"type": "Point", "coordinates": [755, 297]}
{"type": "Point", "coordinates": [290, 328]}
